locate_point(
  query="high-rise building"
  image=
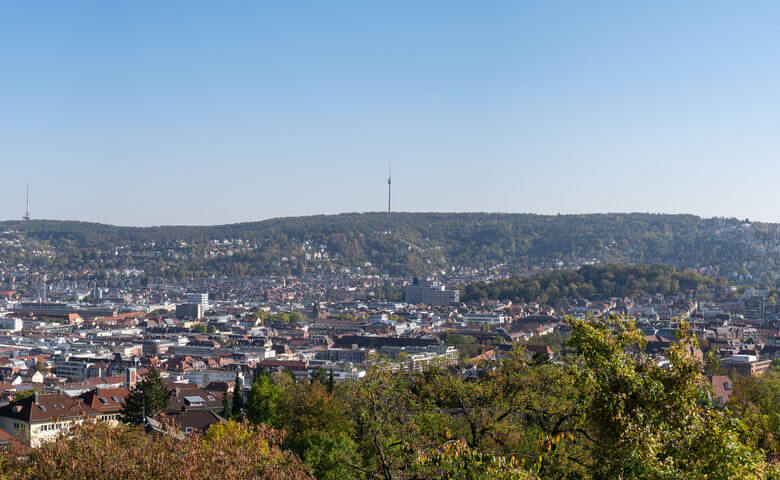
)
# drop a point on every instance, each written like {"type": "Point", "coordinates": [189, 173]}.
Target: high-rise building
{"type": "Point", "coordinates": [201, 299]}
{"type": "Point", "coordinates": [189, 311]}
{"type": "Point", "coordinates": [755, 308]}
{"type": "Point", "coordinates": [131, 378]}
{"type": "Point", "coordinates": [429, 292]}
{"type": "Point", "coordinates": [97, 294]}
{"type": "Point", "coordinates": [40, 291]}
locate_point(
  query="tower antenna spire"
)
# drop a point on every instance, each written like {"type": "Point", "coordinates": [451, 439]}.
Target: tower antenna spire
{"type": "Point", "coordinates": [389, 184]}
{"type": "Point", "coordinates": [27, 210]}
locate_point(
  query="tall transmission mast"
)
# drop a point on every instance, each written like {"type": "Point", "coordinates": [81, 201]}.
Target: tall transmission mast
{"type": "Point", "coordinates": [389, 184]}
{"type": "Point", "coordinates": [27, 210]}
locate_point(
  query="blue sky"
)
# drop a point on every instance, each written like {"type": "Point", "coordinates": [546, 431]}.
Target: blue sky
{"type": "Point", "coordinates": [145, 113]}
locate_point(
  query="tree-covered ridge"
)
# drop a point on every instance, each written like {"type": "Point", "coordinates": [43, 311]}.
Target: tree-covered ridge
{"type": "Point", "coordinates": [405, 243]}
{"type": "Point", "coordinates": [591, 282]}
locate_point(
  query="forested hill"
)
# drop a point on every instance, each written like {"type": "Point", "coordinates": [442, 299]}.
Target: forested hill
{"type": "Point", "coordinates": [591, 282]}
{"type": "Point", "coordinates": [402, 243]}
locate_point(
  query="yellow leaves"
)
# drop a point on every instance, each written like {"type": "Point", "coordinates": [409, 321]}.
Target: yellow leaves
{"type": "Point", "coordinates": [234, 452]}
{"type": "Point", "coordinates": [458, 461]}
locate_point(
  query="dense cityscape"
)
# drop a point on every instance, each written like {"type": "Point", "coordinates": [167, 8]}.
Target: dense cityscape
{"type": "Point", "coordinates": [88, 343]}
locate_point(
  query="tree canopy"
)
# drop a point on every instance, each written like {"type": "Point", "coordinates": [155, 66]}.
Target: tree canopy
{"type": "Point", "coordinates": [149, 396]}
{"type": "Point", "coordinates": [606, 411]}
{"type": "Point", "coordinates": [591, 282]}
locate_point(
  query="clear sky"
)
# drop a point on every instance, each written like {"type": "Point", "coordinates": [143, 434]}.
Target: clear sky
{"type": "Point", "coordinates": [164, 112]}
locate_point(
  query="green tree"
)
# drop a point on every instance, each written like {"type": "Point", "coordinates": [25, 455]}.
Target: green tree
{"type": "Point", "coordinates": [647, 422]}
{"type": "Point", "coordinates": [756, 400]}
{"type": "Point", "coordinates": [315, 421]}
{"type": "Point", "coordinates": [331, 383]}
{"type": "Point", "coordinates": [238, 398]}
{"type": "Point", "coordinates": [607, 411]}
{"type": "Point", "coordinates": [467, 345]}
{"type": "Point", "coordinates": [227, 410]}
{"type": "Point", "coordinates": [712, 362]}
{"type": "Point", "coordinates": [149, 397]}
{"type": "Point", "coordinates": [25, 394]}
{"type": "Point", "coordinates": [318, 374]}
{"type": "Point", "coordinates": [263, 400]}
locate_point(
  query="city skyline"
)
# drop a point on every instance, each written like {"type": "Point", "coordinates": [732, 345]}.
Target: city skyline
{"type": "Point", "coordinates": [186, 113]}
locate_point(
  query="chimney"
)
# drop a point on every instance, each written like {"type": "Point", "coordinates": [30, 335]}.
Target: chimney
{"type": "Point", "coordinates": [35, 397]}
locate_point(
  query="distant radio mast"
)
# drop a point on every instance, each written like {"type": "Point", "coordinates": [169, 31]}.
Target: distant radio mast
{"type": "Point", "coordinates": [389, 184]}
{"type": "Point", "coordinates": [27, 210]}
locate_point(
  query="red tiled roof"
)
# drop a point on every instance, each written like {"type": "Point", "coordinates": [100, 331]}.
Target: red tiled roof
{"type": "Point", "coordinates": [50, 407]}
{"type": "Point", "coordinates": [105, 400]}
{"type": "Point", "coordinates": [14, 444]}
{"type": "Point", "coordinates": [719, 384]}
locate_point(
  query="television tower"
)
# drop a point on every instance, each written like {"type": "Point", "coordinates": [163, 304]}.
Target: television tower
{"type": "Point", "coordinates": [389, 184]}
{"type": "Point", "coordinates": [27, 210]}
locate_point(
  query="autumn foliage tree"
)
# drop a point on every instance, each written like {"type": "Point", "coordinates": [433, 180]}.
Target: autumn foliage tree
{"type": "Point", "coordinates": [97, 451]}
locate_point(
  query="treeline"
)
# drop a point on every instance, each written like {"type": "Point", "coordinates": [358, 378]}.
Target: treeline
{"type": "Point", "coordinates": [280, 317]}
{"type": "Point", "coordinates": [590, 282]}
{"type": "Point", "coordinates": [603, 412]}
{"type": "Point", "coordinates": [417, 243]}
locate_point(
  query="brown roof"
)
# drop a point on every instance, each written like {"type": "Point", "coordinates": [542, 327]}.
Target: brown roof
{"type": "Point", "coordinates": [538, 348]}
{"type": "Point", "coordinates": [96, 382]}
{"type": "Point", "coordinates": [218, 386]}
{"type": "Point", "coordinates": [40, 408]}
{"type": "Point", "coordinates": [195, 419]}
{"type": "Point", "coordinates": [10, 443]}
{"type": "Point", "coordinates": [291, 364]}
{"type": "Point", "coordinates": [722, 386]}
{"type": "Point", "coordinates": [105, 400]}
{"type": "Point", "coordinates": [186, 398]}
{"type": "Point", "coordinates": [120, 316]}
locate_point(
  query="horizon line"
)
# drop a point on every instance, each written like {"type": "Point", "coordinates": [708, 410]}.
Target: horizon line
{"type": "Point", "coordinates": [384, 214]}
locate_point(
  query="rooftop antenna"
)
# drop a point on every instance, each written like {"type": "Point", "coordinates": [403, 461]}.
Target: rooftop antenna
{"type": "Point", "coordinates": [27, 210]}
{"type": "Point", "coordinates": [389, 184]}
